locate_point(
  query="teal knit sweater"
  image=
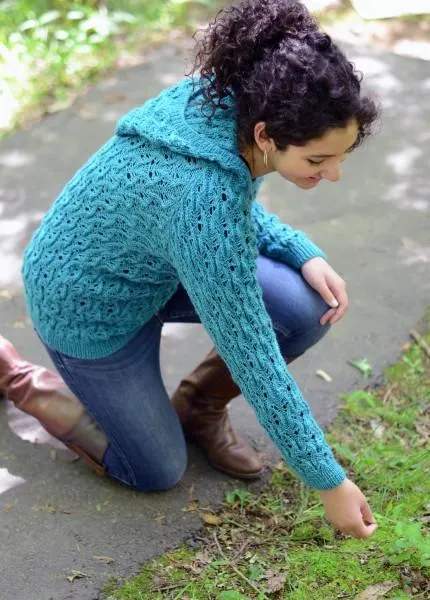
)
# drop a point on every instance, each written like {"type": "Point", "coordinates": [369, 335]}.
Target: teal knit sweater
{"type": "Point", "coordinates": [166, 200]}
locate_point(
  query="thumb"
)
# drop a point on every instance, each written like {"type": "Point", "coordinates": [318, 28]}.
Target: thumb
{"type": "Point", "coordinates": [367, 515]}
{"type": "Point", "coordinates": [327, 295]}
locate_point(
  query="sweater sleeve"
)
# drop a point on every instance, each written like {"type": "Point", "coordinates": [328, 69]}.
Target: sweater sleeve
{"type": "Point", "coordinates": [213, 249]}
{"type": "Point", "coordinates": [282, 242]}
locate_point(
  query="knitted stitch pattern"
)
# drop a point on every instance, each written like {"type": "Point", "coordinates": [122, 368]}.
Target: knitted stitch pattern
{"type": "Point", "coordinates": [168, 199]}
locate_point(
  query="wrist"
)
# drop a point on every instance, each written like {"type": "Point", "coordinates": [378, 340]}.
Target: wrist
{"type": "Point", "coordinates": [326, 493]}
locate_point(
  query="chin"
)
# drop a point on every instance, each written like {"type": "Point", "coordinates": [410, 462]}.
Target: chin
{"type": "Point", "coordinates": [306, 185]}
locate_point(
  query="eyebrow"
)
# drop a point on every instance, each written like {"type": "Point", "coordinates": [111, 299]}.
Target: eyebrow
{"type": "Point", "coordinates": [322, 155]}
{"type": "Point", "coordinates": [331, 155]}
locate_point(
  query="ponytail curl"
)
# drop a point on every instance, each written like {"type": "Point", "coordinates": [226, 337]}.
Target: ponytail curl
{"type": "Point", "coordinates": [271, 57]}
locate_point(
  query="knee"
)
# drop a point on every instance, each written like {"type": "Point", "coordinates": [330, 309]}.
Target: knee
{"type": "Point", "coordinates": [162, 475]}
{"type": "Point", "coordinates": [296, 309]}
{"type": "Point", "coordinates": [295, 343]}
{"type": "Point", "coordinates": [301, 313]}
{"type": "Point", "coordinates": [311, 308]}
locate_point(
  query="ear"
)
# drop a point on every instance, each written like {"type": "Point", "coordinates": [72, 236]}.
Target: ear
{"type": "Point", "coordinates": [262, 140]}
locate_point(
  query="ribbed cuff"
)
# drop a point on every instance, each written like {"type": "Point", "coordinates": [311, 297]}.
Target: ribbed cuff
{"type": "Point", "coordinates": [326, 477]}
{"type": "Point", "coordinates": [301, 252]}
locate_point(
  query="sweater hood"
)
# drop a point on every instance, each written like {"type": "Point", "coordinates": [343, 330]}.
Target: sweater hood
{"type": "Point", "coordinates": [174, 119]}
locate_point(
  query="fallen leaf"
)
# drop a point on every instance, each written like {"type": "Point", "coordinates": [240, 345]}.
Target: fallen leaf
{"type": "Point", "coordinates": [160, 518]}
{"type": "Point", "coordinates": [323, 375]}
{"type": "Point", "coordinates": [52, 509]}
{"type": "Point", "coordinates": [106, 559]}
{"type": "Point", "coordinates": [210, 519]}
{"type": "Point", "coordinates": [275, 583]}
{"type": "Point", "coordinates": [363, 365]}
{"type": "Point", "coordinates": [203, 558]}
{"type": "Point", "coordinates": [378, 428]}
{"type": "Point", "coordinates": [75, 575]}
{"type": "Point", "coordinates": [191, 506]}
{"type": "Point", "coordinates": [49, 508]}
{"type": "Point", "coordinates": [376, 591]}
{"type": "Point", "coordinates": [195, 569]}
{"type": "Point", "coordinates": [423, 429]}
{"type": "Point", "coordinates": [159, 582]}
{"type": "Point", "coordinates": [191, 492]}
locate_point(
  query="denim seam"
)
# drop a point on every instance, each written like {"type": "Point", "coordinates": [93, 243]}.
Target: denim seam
{"type": "Point", "coordinates": [281, 329]}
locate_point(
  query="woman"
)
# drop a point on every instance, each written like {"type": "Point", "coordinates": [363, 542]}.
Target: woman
{"type": "Point", "coordinates": [161, 225]}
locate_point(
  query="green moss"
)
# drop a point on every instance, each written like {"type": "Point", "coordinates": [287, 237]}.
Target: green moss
{"type": "Point", "coordinates": [279, 538]}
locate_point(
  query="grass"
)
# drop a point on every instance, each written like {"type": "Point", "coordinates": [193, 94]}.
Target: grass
{"type": "Point", "coordinates": [50, 49]}
{"type": "Point", "coordinates": [275, 542]}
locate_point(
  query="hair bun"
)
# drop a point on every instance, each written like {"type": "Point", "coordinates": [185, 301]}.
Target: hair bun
{"type": "Point", "coordinates": [317, 39]}
{"type": "Point", "coordinates": [241, 35]}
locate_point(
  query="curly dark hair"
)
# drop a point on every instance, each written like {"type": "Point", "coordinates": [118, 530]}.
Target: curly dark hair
{"type": "Point", "coordinates": [270, 56]}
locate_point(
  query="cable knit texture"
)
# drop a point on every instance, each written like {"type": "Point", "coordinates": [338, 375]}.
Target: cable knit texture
{"type": "Point", "coordinates": [168, 199]}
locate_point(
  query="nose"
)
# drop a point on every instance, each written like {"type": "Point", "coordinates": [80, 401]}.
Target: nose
{"type": "Point", "coordinates": [332, 172]}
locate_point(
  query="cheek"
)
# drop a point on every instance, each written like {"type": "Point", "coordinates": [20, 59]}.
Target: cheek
{"type": "Point", "coordinates": [297, 169]}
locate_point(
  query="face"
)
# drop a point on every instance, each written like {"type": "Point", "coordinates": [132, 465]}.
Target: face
{"type": "Point", "coordinates": [306, 166]}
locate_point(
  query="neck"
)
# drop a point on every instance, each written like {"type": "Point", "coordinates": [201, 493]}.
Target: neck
{"type": "Point", "coordinates": [255, 159]}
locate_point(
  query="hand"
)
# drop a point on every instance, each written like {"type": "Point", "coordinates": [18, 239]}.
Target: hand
{"type": "Point", "coordinates": [346, 508]}
{"type": "Point", "coordinates": [330, 286]}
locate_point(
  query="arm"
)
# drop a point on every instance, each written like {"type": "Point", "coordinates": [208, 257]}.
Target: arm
{"type": "Point", "coordinates": [280, 241]}
{"type": "Point", "coordinates": [213, 248]}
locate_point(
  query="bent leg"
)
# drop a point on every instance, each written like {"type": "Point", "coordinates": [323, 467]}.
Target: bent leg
{"type": "Point", "coordinates": [293, 306]}
{"type": "Point", "coordinates": [125, 394]}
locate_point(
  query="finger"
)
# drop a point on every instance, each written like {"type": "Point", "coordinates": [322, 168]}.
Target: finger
{"type": "Point", "coordinates": [326, 316]}
{"type": "Point", "coordinates": [366, 525]}
{"type": "Point", "coordinates": [366, 512]}
{"type": "Point", "coordinates": [358, 528]}
{"type": "Point", "coordinates": [360, 531]}
{"type": "Point", "coordinates": [337, 316]}
{"type": "Point", "coordinates": [367, 531]}
{"type": "Point", "coordinates": [327, 295]}
{"type": "Point", "coordinates": [343, 307]}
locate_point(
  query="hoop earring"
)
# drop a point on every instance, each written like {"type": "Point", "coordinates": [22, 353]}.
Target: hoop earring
{"type": "Point", "coordinates": [265, 158]}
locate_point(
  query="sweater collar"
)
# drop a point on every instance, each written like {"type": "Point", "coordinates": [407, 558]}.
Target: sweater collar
{"type": "Point", "coordinates": [174, 119]}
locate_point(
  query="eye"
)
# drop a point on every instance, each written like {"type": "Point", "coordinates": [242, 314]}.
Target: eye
{"type": "Point", "coordinates": [315, 162]}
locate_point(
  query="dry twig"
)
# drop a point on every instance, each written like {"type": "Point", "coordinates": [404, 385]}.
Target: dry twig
{"type": "Point", "coordinates": [235, 569]}
{"type": "Point", "coordinates": [389, 392]}
{"type": "Point", "coordinates": [420, 341]}
{"type": "Point", "coordinates": [240, 551]}
{"type": "Point", "coordinates": [168, 588]}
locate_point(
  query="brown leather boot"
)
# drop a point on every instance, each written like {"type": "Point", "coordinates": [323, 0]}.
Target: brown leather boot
{"type": "Point", "coordinates": [201, 403]}
{"type": "Point", "coordinates": [43, 395]}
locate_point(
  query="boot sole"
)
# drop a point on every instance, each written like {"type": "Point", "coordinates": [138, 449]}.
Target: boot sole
{"type": "Point", "coordinates": [254, 475]}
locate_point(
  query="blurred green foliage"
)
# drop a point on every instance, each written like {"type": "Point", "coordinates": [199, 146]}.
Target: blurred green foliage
{"type": "Point", "coordinates": [50, 48]}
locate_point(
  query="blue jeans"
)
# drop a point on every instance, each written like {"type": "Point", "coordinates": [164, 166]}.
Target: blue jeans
{"type": "Point", "coordinates": [125, 394]}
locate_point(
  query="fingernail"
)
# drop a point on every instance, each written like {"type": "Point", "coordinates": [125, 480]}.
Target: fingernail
{"type": "Point", "coordinates": [334, 303]}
